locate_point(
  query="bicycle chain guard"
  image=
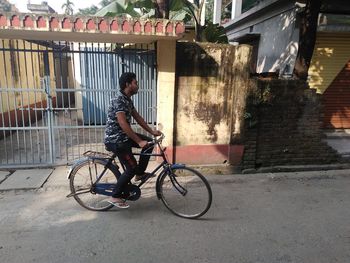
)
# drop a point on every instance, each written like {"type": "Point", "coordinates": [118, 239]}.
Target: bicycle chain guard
{"type": "Point", "coordinates": [132, 192]}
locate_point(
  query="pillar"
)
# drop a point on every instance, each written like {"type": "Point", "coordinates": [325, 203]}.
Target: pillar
{"type": "Point", "coordinates": [236, 8]}
{"type": "Point", "coordinates": [217, 11]}
{"type": "Point", "coordinates": [166, 63]}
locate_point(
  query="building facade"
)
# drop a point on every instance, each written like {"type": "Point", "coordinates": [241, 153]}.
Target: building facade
{"type": "Point", "coordinates": [272, 28]}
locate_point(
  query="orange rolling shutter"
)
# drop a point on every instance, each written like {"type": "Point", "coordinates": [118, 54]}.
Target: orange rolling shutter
{"type": "Point", "coordinates": [329, 73]}
{"type": "Point", "coordinates": [336, 101]}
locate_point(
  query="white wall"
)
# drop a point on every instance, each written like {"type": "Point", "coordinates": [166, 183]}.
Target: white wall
{"type": "Point", "coordinates": [279, 35]}
{"type": "Point", "coordinates": [278, 44]}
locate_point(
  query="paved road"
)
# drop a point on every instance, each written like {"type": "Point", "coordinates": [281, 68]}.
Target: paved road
{"type": "Point", "coordinates": [300, 217]}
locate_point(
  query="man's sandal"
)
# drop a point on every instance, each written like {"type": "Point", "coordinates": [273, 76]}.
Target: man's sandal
{"type": "Point", "coordinates": [119, 204]}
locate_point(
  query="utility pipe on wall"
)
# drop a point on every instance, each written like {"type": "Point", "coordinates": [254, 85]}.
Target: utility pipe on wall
{"type": "Point", "coordinates": [236, 8]}
{"type": "Point", "coordinates": [217, 12]}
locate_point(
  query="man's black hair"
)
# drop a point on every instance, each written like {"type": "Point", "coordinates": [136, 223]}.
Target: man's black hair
{"type": "Point", "coordinates": [126, 77]}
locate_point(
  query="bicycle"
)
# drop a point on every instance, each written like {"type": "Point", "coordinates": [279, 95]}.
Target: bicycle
{"type": "Point", "coordinates": [183, 190]}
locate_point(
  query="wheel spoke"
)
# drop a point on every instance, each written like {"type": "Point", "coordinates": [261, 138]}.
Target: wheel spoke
{"type": "Point", "coordinates": [82, 191]}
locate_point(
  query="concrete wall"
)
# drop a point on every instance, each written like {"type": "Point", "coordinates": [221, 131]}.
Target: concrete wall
{"type": "Point", "coordinates": [211, 86]}
{"type": "Point", "coordinates": [277, 52]}
{"type": "Point", "coordinates": [275, 28]}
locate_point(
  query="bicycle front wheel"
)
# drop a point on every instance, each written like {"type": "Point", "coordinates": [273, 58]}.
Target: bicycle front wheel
{"type": "Point", "coordinates": [83, 177]}
{"type": "Point", "coordinates": [185, 192]}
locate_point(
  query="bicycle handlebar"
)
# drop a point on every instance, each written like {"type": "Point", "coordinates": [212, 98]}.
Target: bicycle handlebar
{"type": "Point", "coordinates": [156, 140]}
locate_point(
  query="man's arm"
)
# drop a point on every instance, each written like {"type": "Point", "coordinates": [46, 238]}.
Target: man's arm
{"type": "Point", "coordinates": [127, 129]}
{"type": "Point", "coordinates": [138, 118]}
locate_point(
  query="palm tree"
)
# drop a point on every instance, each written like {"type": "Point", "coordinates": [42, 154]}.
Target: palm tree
{"type": "Point", "coordinates": [68, 7]}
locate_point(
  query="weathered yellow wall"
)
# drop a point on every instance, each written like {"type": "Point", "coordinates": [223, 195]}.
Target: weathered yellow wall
{"type": "Point", "coordinates": [22, 70]}
{"type": "Point", "coordinates": [331, 53]}
{"type": "Point", "coordinates": [212, 85]}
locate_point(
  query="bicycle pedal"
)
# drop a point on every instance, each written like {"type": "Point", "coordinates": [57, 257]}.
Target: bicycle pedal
{"type": "Point", "coordinates": [143, 177]}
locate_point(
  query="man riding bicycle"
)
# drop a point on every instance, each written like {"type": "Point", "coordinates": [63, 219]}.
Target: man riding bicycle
{"type": "Point", "coordinates": [120, 138]}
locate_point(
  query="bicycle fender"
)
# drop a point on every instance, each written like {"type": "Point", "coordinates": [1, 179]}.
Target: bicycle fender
{"type": "Point", "coordinates": [80, 161]}
{"type": "Point", "coordinates": [173, 166]}
{"type": "Point", "coordinates": [158, 185]}
{"type": "Point", "coordinates": [177, 165]}
{"type": "Point", "coordinates": [74, 165]}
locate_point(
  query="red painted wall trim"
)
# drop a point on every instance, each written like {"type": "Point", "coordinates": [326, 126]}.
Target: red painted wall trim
{"type": "Point", "coordinates": [207, 154]}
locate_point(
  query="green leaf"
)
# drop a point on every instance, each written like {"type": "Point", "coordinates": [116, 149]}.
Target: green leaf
{"type": "Point", "coordinates": [131, 11]}
{"type": "Point", "coordinates": [175, 5]}
{"type": "Point", "coordinates": [148, 4]}
{"type": "Point", "coordinates": [150, 14]}
{"type": "Point", "coordinates": [214, 33]}
{"type": "Point", "coordinates": [180, 15]}
{"type": "Point", "coordinates": [117, 8]}
{"type": "Point", "coordinates": [190, 6]}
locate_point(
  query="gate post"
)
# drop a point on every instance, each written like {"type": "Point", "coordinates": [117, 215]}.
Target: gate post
{"type": "Point", "coordinates": [49, 107]}
{"type": "Point", "coordinates": [166, 64]}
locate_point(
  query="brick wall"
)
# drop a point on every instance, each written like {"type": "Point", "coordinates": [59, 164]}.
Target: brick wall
{"type": "Point", "coordinates": [283, 126]}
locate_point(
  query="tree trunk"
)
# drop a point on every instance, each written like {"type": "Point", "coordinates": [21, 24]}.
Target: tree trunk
{"type": "Point", "coordinates": [198, 31]}
{"type": "Point", "coordinates": [307, 38]}
{"type": "Point", "coordinates": [162, 9]}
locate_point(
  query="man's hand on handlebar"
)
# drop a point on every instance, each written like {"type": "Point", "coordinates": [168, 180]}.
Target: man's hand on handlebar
{"type": "Point", "coordinates": [156, 133]}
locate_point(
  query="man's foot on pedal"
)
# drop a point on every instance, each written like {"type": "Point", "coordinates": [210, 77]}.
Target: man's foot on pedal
{"type": "Point", "coordinates": [120, 203]}
{"type": "Point", "coordinates": [141, 177]}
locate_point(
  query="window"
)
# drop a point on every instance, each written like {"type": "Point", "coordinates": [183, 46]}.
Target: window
{"type": "Point", "coordinates": [248, 4]}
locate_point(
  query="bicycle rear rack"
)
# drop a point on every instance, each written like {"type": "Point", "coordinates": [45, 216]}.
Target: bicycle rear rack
{"type": "Point", "coordinates": [97, 154]}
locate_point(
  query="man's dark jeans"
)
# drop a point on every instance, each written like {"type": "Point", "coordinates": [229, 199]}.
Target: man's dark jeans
{"type": "Point", "coordinates": [125, 156]}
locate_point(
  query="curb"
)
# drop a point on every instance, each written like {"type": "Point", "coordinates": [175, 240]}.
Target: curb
{"type": "Point", "coordinates": [221, 169]}
{"type": "Point", "coordinates": [298, 168]}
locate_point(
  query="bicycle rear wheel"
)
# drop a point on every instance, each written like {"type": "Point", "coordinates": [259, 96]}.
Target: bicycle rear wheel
{"type": "Point", "coordinates": [185, 192]}
{"type": "Point", "coordinates": [82, 178]}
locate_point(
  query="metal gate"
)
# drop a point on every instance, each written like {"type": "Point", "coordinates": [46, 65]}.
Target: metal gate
{"type": "Point", "coordinates": [54, 96]}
